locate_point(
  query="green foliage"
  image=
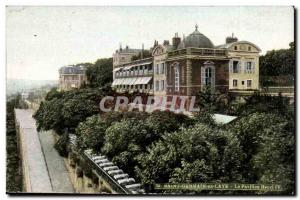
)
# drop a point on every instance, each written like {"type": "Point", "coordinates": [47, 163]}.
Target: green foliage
{"type": "Point", "coordinates": [68, 109]}
{"type": "Point", "coordinates": [13, 167]}
{"type": "Point", "coordinates": [126, 160]}
{"type": "Point", "coordinates": [127, 138]}
{"type": "Point", "coordinates": [100, 73]}
{"type": "Point", "coordinates": [52, 94]}
{"type": "Point", "coordinates": [160, 122]}
{"type": "Point", "coordinates": [77, 109]}
{"type": "Point", "coordinates": [215, 151]}
{"type": "Point", "coordinates": [165, 147]}
{"type": "Point", "coordinates": [278, 62]}
{"type": "Point", "coordinates": [269, 145]}
{"type": "Point", "coordinates": [61, 145]}
{"type": "Point", "coordinates": [266, 104]}
{"type": "Point", "coordinates": [49, 116]}
{"type": "Point", "coordinates": [205, 118]}
{"type": "Point", "coordinates": [91, 133]}
{"type": "Point", "coordinates": [197, 171]}
{"type": "Point", "coordinates": [212, 102]}
{"type": "Point", "coordinates": [120, 134]}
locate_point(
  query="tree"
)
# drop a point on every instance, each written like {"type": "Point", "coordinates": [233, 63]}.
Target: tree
{"type": "Point", "coordinates": [216, 153]}
{"type": "Point", "coordinates": [49, 116]}
{"type": "Point", "coordinates": [100, 73]}
{"type": "Point", "coordinates": [268, 146]}
{"type": "Point", "coordinates": [76, 110]}
{"type": "Point", "coordinates": [278, 62]}
{"type": "Point", "coordinates": [120, 134]}
{"type": "Point", "coordinates": [53, 93]}
{"type": "Point", "coordinates": [262, 103]}
{"type": "Point", "coordinates": [160, 122]}
{"type": "Point", "coordinates": [211, 101]}
{"type": "Point", "coordinates": [62, 145]}
{"type": "Point", "coordinates": [69, 108]}
{"type": "Point", "coordinates": [91, 133]}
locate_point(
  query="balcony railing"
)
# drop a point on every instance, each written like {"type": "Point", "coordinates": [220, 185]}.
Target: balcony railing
{"type": "Point", "coordinates": [135, 73]}
{"type": "Point", "coordinates": [198, 52]}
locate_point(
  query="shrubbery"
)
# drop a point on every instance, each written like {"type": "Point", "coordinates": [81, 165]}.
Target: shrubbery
{"type": "Point", "coordinates": [13, 167]}
{"type": "Point", "coordinates": [163, 147]}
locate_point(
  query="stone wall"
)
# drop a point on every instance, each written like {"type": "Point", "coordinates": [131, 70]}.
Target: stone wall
{"type": "Point", "coordinates": [84, 184]}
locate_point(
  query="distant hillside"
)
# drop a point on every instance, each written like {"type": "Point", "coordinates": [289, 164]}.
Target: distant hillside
{"type": "Point", "coordinates": [23, 85]}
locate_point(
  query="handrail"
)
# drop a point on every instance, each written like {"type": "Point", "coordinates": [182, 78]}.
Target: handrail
{"type": "Point", "coordinates": [198, 51]}
{"type": "Point", "coordinates": [101, 172]}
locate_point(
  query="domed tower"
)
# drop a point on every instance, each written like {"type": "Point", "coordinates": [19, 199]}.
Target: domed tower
{"type": "Point", "coordinates": [197, 40]}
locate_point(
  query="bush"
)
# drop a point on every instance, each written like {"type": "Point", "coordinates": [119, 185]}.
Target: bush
{"type": "Point", "coordinates": [91, 133]}
{"type": "Point", "coordinates": [218, 155]}
{"type": "Point", "coordinates": [62, 145]}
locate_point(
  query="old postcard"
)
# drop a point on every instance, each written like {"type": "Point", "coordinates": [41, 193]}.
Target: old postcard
{"type": "Point", "coordinates": [184, 100]}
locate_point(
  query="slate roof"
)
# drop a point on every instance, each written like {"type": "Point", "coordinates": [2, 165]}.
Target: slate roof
{"type": "Point", "coordinates": [72, 70]}
{"type": "Point", "coordinates": [196, 39]}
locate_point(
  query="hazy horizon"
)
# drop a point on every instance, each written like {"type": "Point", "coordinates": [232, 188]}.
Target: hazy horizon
{"type": "Point", "coordinates": [41, 39]}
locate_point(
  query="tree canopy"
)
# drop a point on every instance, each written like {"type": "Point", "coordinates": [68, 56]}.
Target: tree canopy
{"type": "Point", "coordinates": [278, 62]}
{"type": "Point", "coordinates": [100, 73]}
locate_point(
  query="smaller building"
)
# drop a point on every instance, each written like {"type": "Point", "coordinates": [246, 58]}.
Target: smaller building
{"type": "Point", "coordinates": [136, 76]}
{"type": "Point", "coordinates": [159, 54]}
{"type": "Point", "coordinates": [71, 77]}
{"type": "Point", "coordinates": [122, 56]}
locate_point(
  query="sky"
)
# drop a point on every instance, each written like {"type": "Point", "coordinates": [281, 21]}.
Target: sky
{"type": "Point", "coordinates": [40, 40]}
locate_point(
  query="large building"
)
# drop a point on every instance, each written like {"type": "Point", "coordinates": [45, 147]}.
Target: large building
{"type": "Point", "coordinates": [71, 77]}
{"type": "Point", "coordinates": [122, 56]}
{"type": "Point", "coordinates": [190, 64]}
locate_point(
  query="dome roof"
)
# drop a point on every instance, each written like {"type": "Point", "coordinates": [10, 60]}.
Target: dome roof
{"type": "Point", "coordinates": [196, 39]}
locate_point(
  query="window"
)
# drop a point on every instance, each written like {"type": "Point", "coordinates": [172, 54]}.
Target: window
{"type": "Point", "coordinates": [208, 75]}
{"type": "Point", "coordinates": [156, 85]}
{"type": "Point", "coordinates": [176, 78]}
{"type": "Point", "coordinates": [235, 67]}
{"type": "Point", "coordinates": [162, 85]}
{"type": "Point", "coordinates": [249, 83]}
{"type": "Point", "coordinates": [243, 82]}
{"type": "Point", "coordinates": [235, 47]}
{"type": "Point", "coordinates": [162, 69]}
{"type": "Point", "coordinates": [235, 83]}
{"type": "Point", "coordinates": [157, 69]}
{"type": "Point", "coordinates": [248, 67]}
{"type": "Point", "coordinates": [249, 48]}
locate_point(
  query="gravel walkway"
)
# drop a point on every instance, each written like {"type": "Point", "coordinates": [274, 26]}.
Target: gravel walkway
{"type": "Point", "coordinates": [43, 168]}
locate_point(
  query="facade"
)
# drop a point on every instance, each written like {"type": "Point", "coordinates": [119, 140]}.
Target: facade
{"type": "Point", "coordinates": [71, 77]}
{"type": "Point", "coordinates": [159, 54]}
{"type": "Point", "coordinates": [136, 76]}
{"type": "Point", "coordinates": [122, 56]}
{"type": "Point", "coordinates": [191, 64]}
{"type": "Point", "coordinates": [243, 65]}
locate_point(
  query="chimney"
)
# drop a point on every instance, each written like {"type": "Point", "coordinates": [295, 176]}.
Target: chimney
{"type": "Point", "coordinates": [142, 53]}
{"type": "Point", "coordinates": [155, 43]}
{"type": "Point", "coordinates": [176, 40]}
{"type": "Point", "coordinates": [166, 42]}
{"type": "Point", "coordinates": [231, 39]}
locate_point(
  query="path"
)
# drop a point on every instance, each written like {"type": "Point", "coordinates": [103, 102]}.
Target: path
{"type": "Point", "coordinates": [44, 170]}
